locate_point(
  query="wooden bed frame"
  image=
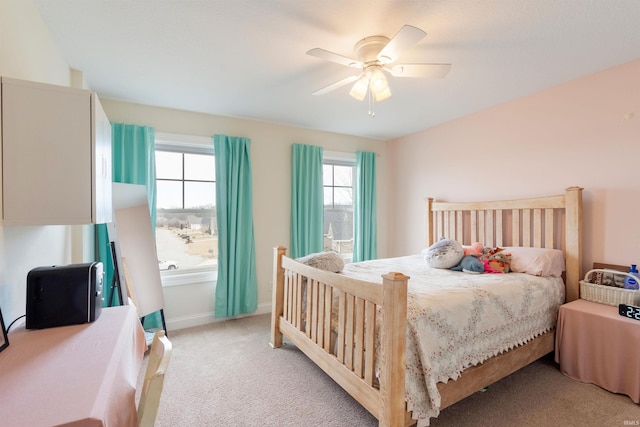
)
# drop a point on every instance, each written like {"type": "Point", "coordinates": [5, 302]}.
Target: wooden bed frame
{"type": "Point", "coordinates": [549, 222]}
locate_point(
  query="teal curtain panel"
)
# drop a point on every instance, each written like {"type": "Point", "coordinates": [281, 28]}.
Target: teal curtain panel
{"type": "Point", "coordinates": [237, 286]}
{"type": "Point", "coordinates": [307, 200]}
{"type": "Point", "coordinates": [365, 241]}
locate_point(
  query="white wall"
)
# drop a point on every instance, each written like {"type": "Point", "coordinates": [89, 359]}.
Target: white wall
{"type": "Point", "coordinates": [188, 305]}
{"type": "Point", "coordinates": [572, 134]}
{"type": "Point", "coordinates": [27, 52]}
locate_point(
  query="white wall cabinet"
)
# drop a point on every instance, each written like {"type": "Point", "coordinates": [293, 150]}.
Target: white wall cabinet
{"type": "Point", "coordinates": [56, 155]}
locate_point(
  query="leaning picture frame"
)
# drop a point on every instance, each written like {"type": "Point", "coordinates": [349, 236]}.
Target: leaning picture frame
{"type": "Point", "coordinates": [4, 337]}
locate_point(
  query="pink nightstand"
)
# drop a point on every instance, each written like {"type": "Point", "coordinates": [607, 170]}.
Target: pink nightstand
{"type": "Point", "coordinates": [594, 344]}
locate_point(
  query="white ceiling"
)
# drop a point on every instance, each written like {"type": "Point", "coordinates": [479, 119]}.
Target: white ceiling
{"type": "Point", "coordinates": [246, 58]}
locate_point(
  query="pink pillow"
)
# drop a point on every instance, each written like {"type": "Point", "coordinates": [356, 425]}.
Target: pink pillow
{"type": "Point", "coordinates": [536, 261]}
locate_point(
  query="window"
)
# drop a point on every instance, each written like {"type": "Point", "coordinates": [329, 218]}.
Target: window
{"type": "Point", "coordinates": [338, 179]}
{"type": "Point", "coordinates": [186, 234]}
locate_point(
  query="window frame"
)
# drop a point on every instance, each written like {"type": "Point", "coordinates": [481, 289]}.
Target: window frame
{"type": "Point", "coordinates": [193, 145]}
{"type": "Point", "coordinates": [337, 158]}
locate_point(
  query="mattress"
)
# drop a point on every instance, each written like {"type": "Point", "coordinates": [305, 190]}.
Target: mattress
{"type": "Point", "coordinates": [456, 320]}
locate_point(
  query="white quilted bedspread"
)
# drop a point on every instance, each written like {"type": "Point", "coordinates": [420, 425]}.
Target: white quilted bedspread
{"type": "Point", "coordinates": [457, 320]}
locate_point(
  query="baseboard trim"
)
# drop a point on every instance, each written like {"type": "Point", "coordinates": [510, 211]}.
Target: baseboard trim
{"type": "Point", "coordinates": [201, 319]}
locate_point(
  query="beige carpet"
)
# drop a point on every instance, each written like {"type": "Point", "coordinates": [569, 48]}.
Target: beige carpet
{"type": "Point", "coordinates": [226, 374]}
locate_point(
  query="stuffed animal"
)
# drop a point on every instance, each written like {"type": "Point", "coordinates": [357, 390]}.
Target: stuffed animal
{"type": "Point", "coordinates": [445, 253]}
{"type": "Point", "coordinates": [476, 249]}
{"type": "Point", "coordinates": [497, 261]}
{"type": "Point", "coordinates": [470, 264]}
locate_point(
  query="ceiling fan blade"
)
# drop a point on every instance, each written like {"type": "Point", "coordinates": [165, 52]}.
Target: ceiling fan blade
{"type": "Point", "coordinates": [336, 85]}
{"type": "Point", "coordinates": [437, 71]}
{"type": "Point", "coordinates": [334, 57]}
{"type": "Point", "coordinates": [403, 40]}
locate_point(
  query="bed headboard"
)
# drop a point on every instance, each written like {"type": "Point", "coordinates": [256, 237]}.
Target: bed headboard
{"type": "Point", "coordinates": [544, 222]}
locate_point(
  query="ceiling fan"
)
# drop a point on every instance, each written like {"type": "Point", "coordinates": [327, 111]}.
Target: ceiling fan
{"type": "Point", "coordinates": [376, 54]}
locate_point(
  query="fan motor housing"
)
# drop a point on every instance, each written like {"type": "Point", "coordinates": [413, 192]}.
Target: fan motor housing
{"type": "Point", "coordinates": [367, 49]}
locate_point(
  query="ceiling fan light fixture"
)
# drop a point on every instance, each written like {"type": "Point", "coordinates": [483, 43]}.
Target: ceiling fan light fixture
{"type": "Point", "coordinates": [382, 94]}
{"type": "Point", "coordinates": [360, 87]}
{"type": "Point", "coordinates": [379, 85]}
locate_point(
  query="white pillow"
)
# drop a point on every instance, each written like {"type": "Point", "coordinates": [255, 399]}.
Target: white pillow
{"type": "Point", "coordinates": [536, 261]}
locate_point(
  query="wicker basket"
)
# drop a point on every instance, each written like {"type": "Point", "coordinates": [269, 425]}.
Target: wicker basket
{"type": "Point", "coordinates": [610, 295]}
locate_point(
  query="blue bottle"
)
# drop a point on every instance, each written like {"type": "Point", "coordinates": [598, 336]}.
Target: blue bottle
{"type": "Point", "coordinates": [630, 283]}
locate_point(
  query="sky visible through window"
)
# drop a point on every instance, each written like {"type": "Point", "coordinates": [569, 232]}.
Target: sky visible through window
{"type": "Point", "coordinates": [338, 185]}
{"type": "Point", "coordinates": [198, 172]}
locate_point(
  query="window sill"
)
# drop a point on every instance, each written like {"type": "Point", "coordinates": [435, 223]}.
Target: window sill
{"type": "Point", "coordinates": [188, 277]}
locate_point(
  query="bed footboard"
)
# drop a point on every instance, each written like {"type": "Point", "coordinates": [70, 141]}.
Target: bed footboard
{"type": "Point", "coordinates": [305, 304]}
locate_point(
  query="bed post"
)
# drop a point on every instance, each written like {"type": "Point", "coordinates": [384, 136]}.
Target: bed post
{"type": "Point", "coordinates": [429, 232]}
{"type": "Point", "coordinates": [277, 302]}
{"type": "Point", "coordinates": [573, 243]}
{"type": "Point", "coordinates": [393, 349]}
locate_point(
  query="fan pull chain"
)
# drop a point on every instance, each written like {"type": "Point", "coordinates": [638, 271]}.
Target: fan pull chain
{"type": "Point", "coordinates": [372, 102]}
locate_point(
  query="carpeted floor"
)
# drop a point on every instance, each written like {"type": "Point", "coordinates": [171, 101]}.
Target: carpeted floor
{"type": "Point", "coordinates": [226, 374]}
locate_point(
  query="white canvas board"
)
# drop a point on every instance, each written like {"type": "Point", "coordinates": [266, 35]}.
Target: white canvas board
{"type": "Point", "coordinates": [136, 241]}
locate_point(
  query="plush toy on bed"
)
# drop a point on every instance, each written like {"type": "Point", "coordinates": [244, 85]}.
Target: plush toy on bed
{"type": "Point", "coordinates": [445, 253]}
{"type": "Point", "coordinates": [475, 248]}
{"type": "Point", "coordinates": [497, 261]}
{"type": "Point", "coordinates": [470, 264]}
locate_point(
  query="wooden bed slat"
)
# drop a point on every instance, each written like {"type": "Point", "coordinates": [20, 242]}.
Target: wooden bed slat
{"type": "Point", "coordinates": [549, 227]}
{"type": "Point", "coordinates": [342, 325]}
{"type": "Point", "coordinates": [515, 227]}
{"type": "Point", "coordinates": [526, 227]}
{"type": "Point", "coordinates": [349, 331]}
{"type": "Point", "coordinates": [311, 312]}
{"type": "Point", "coordinates": [289, 296]}
{"type": "Point", "coordinates": [482, 235]}
{"type": "Point", "coordinates": [328, 309]}
{"type": "Point", "coordinates": [298, 300]}
{"type": "Point", "coordinates": [358, 355]}
{"type": "Point", "coordinates": [320, 315]}
{"type": "Point", "coordinates": [369, 347]}
{"type": "Point", "coordinates": [537, 228]}
{"type": "Point", "coordinates": [473, 223]}
{"type": "Point", "coordinates": [489, 228]}
{"type": "Point", "coordinates": [498, 228]}
{"type": "Point", "coordinates": [440, 222]}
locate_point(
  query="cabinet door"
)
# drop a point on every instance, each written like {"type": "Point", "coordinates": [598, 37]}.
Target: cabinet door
{"type": "Point", "coordinates": [102, 188]}
{"type": "Point", "coordinates": [47, 156]}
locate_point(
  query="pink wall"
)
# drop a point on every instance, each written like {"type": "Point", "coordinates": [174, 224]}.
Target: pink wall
{"type": "Point", "coordinates": [572, 134]}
